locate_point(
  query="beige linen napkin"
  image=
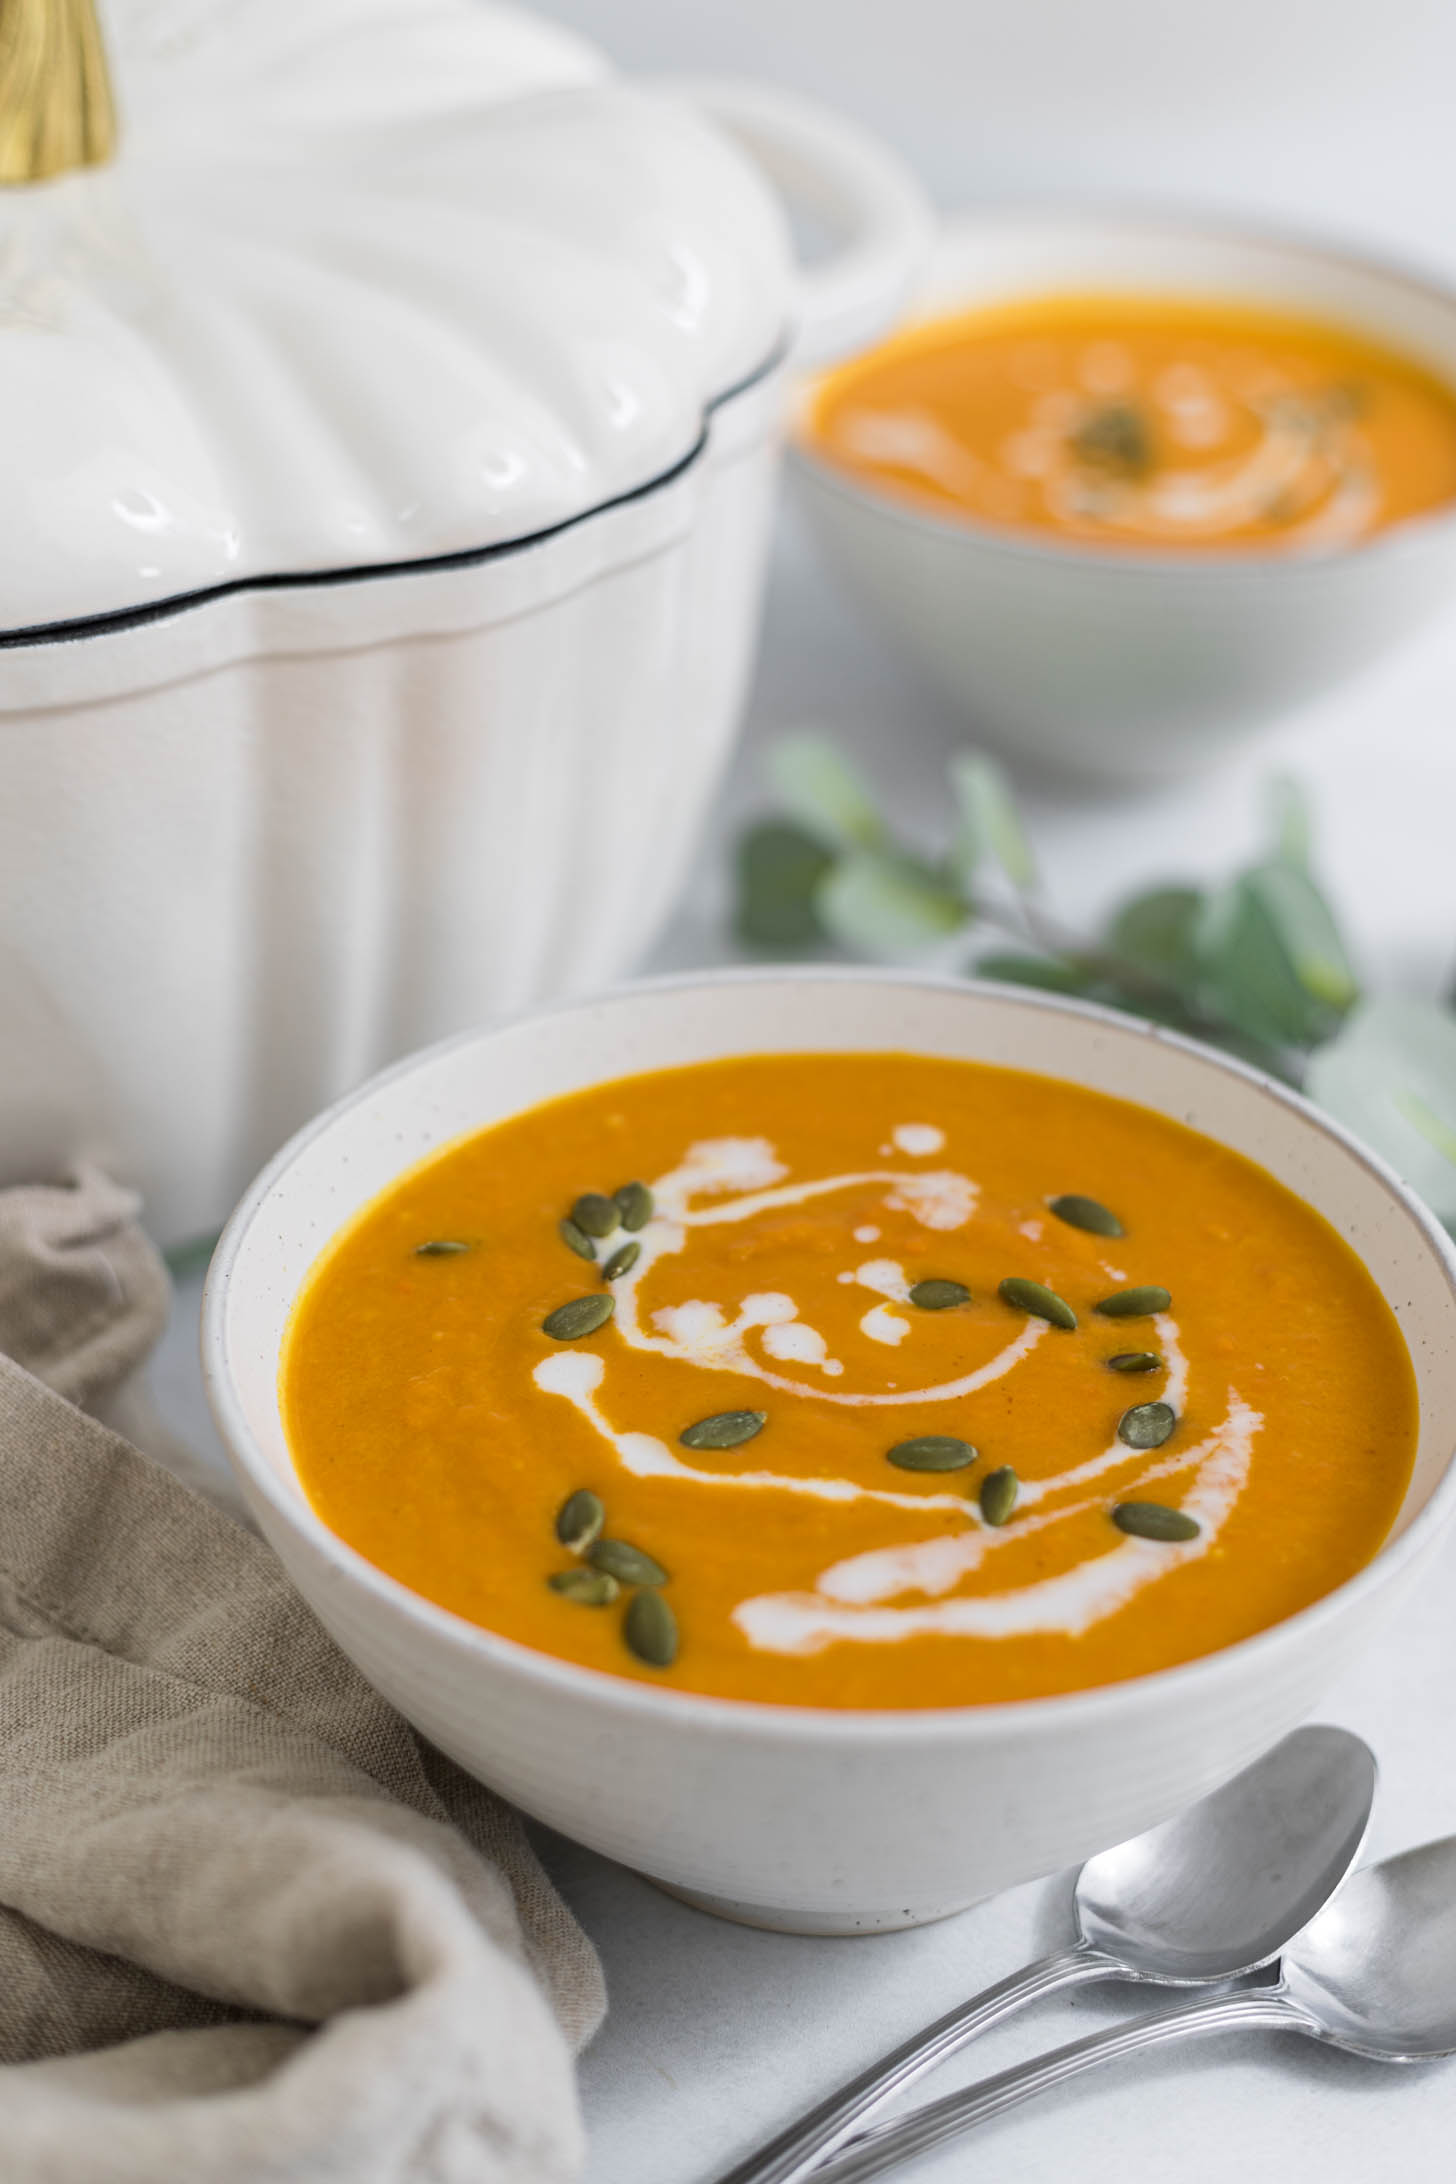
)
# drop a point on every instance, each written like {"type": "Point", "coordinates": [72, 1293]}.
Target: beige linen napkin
{"type": "Point", "coordinates": [252, 1931]}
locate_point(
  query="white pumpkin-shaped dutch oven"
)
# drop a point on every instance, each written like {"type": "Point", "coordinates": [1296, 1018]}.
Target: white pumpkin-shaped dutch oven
{"type": "Point", "coordinates": [389, 423]}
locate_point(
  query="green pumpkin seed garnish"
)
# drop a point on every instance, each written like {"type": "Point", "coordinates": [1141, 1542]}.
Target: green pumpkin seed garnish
{"type": "Point", "coordinates": [595, 1214]}
{"type": "Point", "coordinates": [590, 1588]}
{"type": "Point", "coordinates": [634, 1205]}
{"type": "Point", "coordinates": [1155, 1520]}
{"type": "Point", "coordinates": [650, 1629]}
{"type": "Point", "coordinates": [1134, 1303]}
{"type": "Point", "coordinates": [1037, 1299]}
{"type": "Point", "coordinates": [622, 1261]}
{"type": "Point", "coordinates": [576, 1239]}
{"type": "Point", "coordinates": [932, 1452]}
{"type": "Point", "coordinates": [725, 1429]}
{"type": "Point", "coordinates": [1085, 1213]}
{"type": "Point", "coordinates": [1115, 439]}
{"type": "Point", "coordinates": [1135, 1361]}
{"type": "Point", "coordinates": [582, 1316]}
{"type": "Point", "coordinates": [441, 1247]}
{"type": "Point", "coordinates": [579, 1520]}
{"type": "Point", "coordinates": [1147, 1425]}
{"type": "Point", "coordinates": [621, 1560]}
{"type": "Point", "coordinates": [999, 1491]}
{"type": "Point", "coordinates": [939, 1296]}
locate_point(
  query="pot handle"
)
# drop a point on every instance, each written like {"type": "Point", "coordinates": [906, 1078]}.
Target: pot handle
{"type": "Point", "coordinates": [873, 206]}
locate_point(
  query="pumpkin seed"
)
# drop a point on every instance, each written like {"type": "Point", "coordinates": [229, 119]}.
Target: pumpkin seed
{"type": "Point", "coordinates": [620, 1559]}
{"type": "Point", "coordinates": [576, 1239]}
{"type": "Point", "coordinates": [725, 1429]}
{"type": "Point", "coordinates": [999, 1491]}
{"type": "Point", "coordinates": [932, 1452]}
{"type": "Point", "coordinates": [1038, 1300]}
{"type": "Point", "coordinates": [634, 1204]}
{"type": "Point", "coordinates": [596, 1214]}
{"type": "Point", "coordinates": [582, 1316]}
{"type": "Point", "coordinates": [1085, 1213]}
{"type": "Point", "coordinates": [1134, 1303]}
{"type": "Point", "coordinates": [1114, 438]}
{"type": "Point", "coordinates": [939, 1296]}
{"type": "Point", "coordinates": [1135, 1361]}
{"type": "Point", "coordinates": [650, 1629]}
{"type": "Point", "coordinates": [579, 1520]}
{"type": "Point", "coordinates": [590, 1588]}
{"type": "Point", "coordinates": [1155, 1520]}
{"type": "Point", "coordinates": [1147, 1425]}
{"type": "Point", "coordinates": [622, 1261]}
{"type": "Point", "coordinates": [441, 1247]}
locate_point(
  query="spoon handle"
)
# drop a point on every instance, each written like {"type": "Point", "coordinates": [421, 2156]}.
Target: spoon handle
{"type": "Point", "coordinates": [889, 2143]}
{"type": "Point", "coordinates": [795, 2151]}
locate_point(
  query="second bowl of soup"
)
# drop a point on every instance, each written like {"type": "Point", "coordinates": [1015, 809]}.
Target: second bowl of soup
{"type": "Point", "coordinates": [729, 1415]}
{"type": "Point", "coordinates": [1129, 490]}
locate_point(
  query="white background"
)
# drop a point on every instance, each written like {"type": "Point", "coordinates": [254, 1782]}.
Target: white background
{"type": "Point", "coordinates": [1332, 113]}
{"type": "Point", "coordinates": [1333, 116]}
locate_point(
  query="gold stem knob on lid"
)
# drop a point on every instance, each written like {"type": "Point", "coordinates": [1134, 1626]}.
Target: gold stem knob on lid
{"type": "Point", "coordinates": [56, 111]}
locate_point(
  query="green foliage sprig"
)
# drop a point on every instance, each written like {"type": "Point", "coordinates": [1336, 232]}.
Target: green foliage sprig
{"type": "Point", "coordinates": [1256, 965]}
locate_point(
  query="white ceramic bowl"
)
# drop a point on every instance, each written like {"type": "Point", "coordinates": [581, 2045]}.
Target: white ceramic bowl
{"type": "Point", "coordinates": [815, 1821]}
{"type": "Point", "coordinates": [1126, 666]}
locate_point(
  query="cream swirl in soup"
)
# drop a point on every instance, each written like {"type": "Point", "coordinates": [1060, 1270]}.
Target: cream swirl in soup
{"type": "Point", "coordinates": [1147, 422]}
{"type": "Point", "coordinates": [851, 1380]}
{"type": "Point", "coordinates": [850, 1599]}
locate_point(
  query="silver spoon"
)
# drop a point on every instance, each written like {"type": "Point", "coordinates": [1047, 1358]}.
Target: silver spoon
{"type": "Point", "coordinates": [1374, 1973]}
{"type": "Point", "coordinates": [1213, 1894]}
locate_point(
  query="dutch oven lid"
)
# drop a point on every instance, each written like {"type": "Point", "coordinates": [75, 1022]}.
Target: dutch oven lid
{"type": "Point", "coordinates": [363, 282]}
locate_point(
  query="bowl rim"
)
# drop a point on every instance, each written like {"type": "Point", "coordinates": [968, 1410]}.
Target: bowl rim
{"type": "Point", "coordinates": [1238, 563]}
{"type": "Point", "coordinates": [777, 1720]}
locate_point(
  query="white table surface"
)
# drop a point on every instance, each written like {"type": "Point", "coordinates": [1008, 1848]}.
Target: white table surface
{"type": "Point", "coordinates": [716, 2034]}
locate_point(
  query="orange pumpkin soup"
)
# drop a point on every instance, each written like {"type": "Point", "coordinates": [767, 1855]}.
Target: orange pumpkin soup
{"type": "Point", "coordinates": [851, 1380]}
{"type": "Point", "coordinates": [1147, 423]}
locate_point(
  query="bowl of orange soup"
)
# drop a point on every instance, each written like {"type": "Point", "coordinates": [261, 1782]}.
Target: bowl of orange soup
{"type": "Point", "coordinates": [840, 1444]}
{"type": "Point", "coordinates": [1129, 490]}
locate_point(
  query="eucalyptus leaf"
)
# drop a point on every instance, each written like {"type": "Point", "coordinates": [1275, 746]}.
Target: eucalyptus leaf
{"type": "Point", "coordinates": [1433, 1127]}
{"type": "Point", "coordinates": [1390, 1076]}
{"type": "Point", "coordinates": [780, 866]}
{"type": "Point", "coordinates": [885, 905]}
{"type": "Point", "coordinates": [1290, 822]}
{"type": "Point", "coordinates": [1256, 966]}
{"type": "Point", "coordinates": [1306, 926]}
{"type": "Point", "coordinates": [1083, 982]}
{"type": "Point", "coordinates": [1246, 936]}
{"type": "Point", "coordinates": [826, 794]}
{"type": "Point", "coordinates": [1054, 974]}
{"type": "Point", "coordinates": [988, 825]}
{"type": "Point", "coordinates": [1050, 974]}
{"type": "Point", "coordinates": [1155, 933]}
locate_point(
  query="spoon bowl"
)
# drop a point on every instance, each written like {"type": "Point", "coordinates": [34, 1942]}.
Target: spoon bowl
{"type": "Point", "coordinates": [1223, 1887]}
{"type": "Point", "coordinates": [1376, 1970]}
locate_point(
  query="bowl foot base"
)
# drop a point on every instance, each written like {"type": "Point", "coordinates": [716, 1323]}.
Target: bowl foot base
{"type": "Point", "coordinates": [825, 1924]}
